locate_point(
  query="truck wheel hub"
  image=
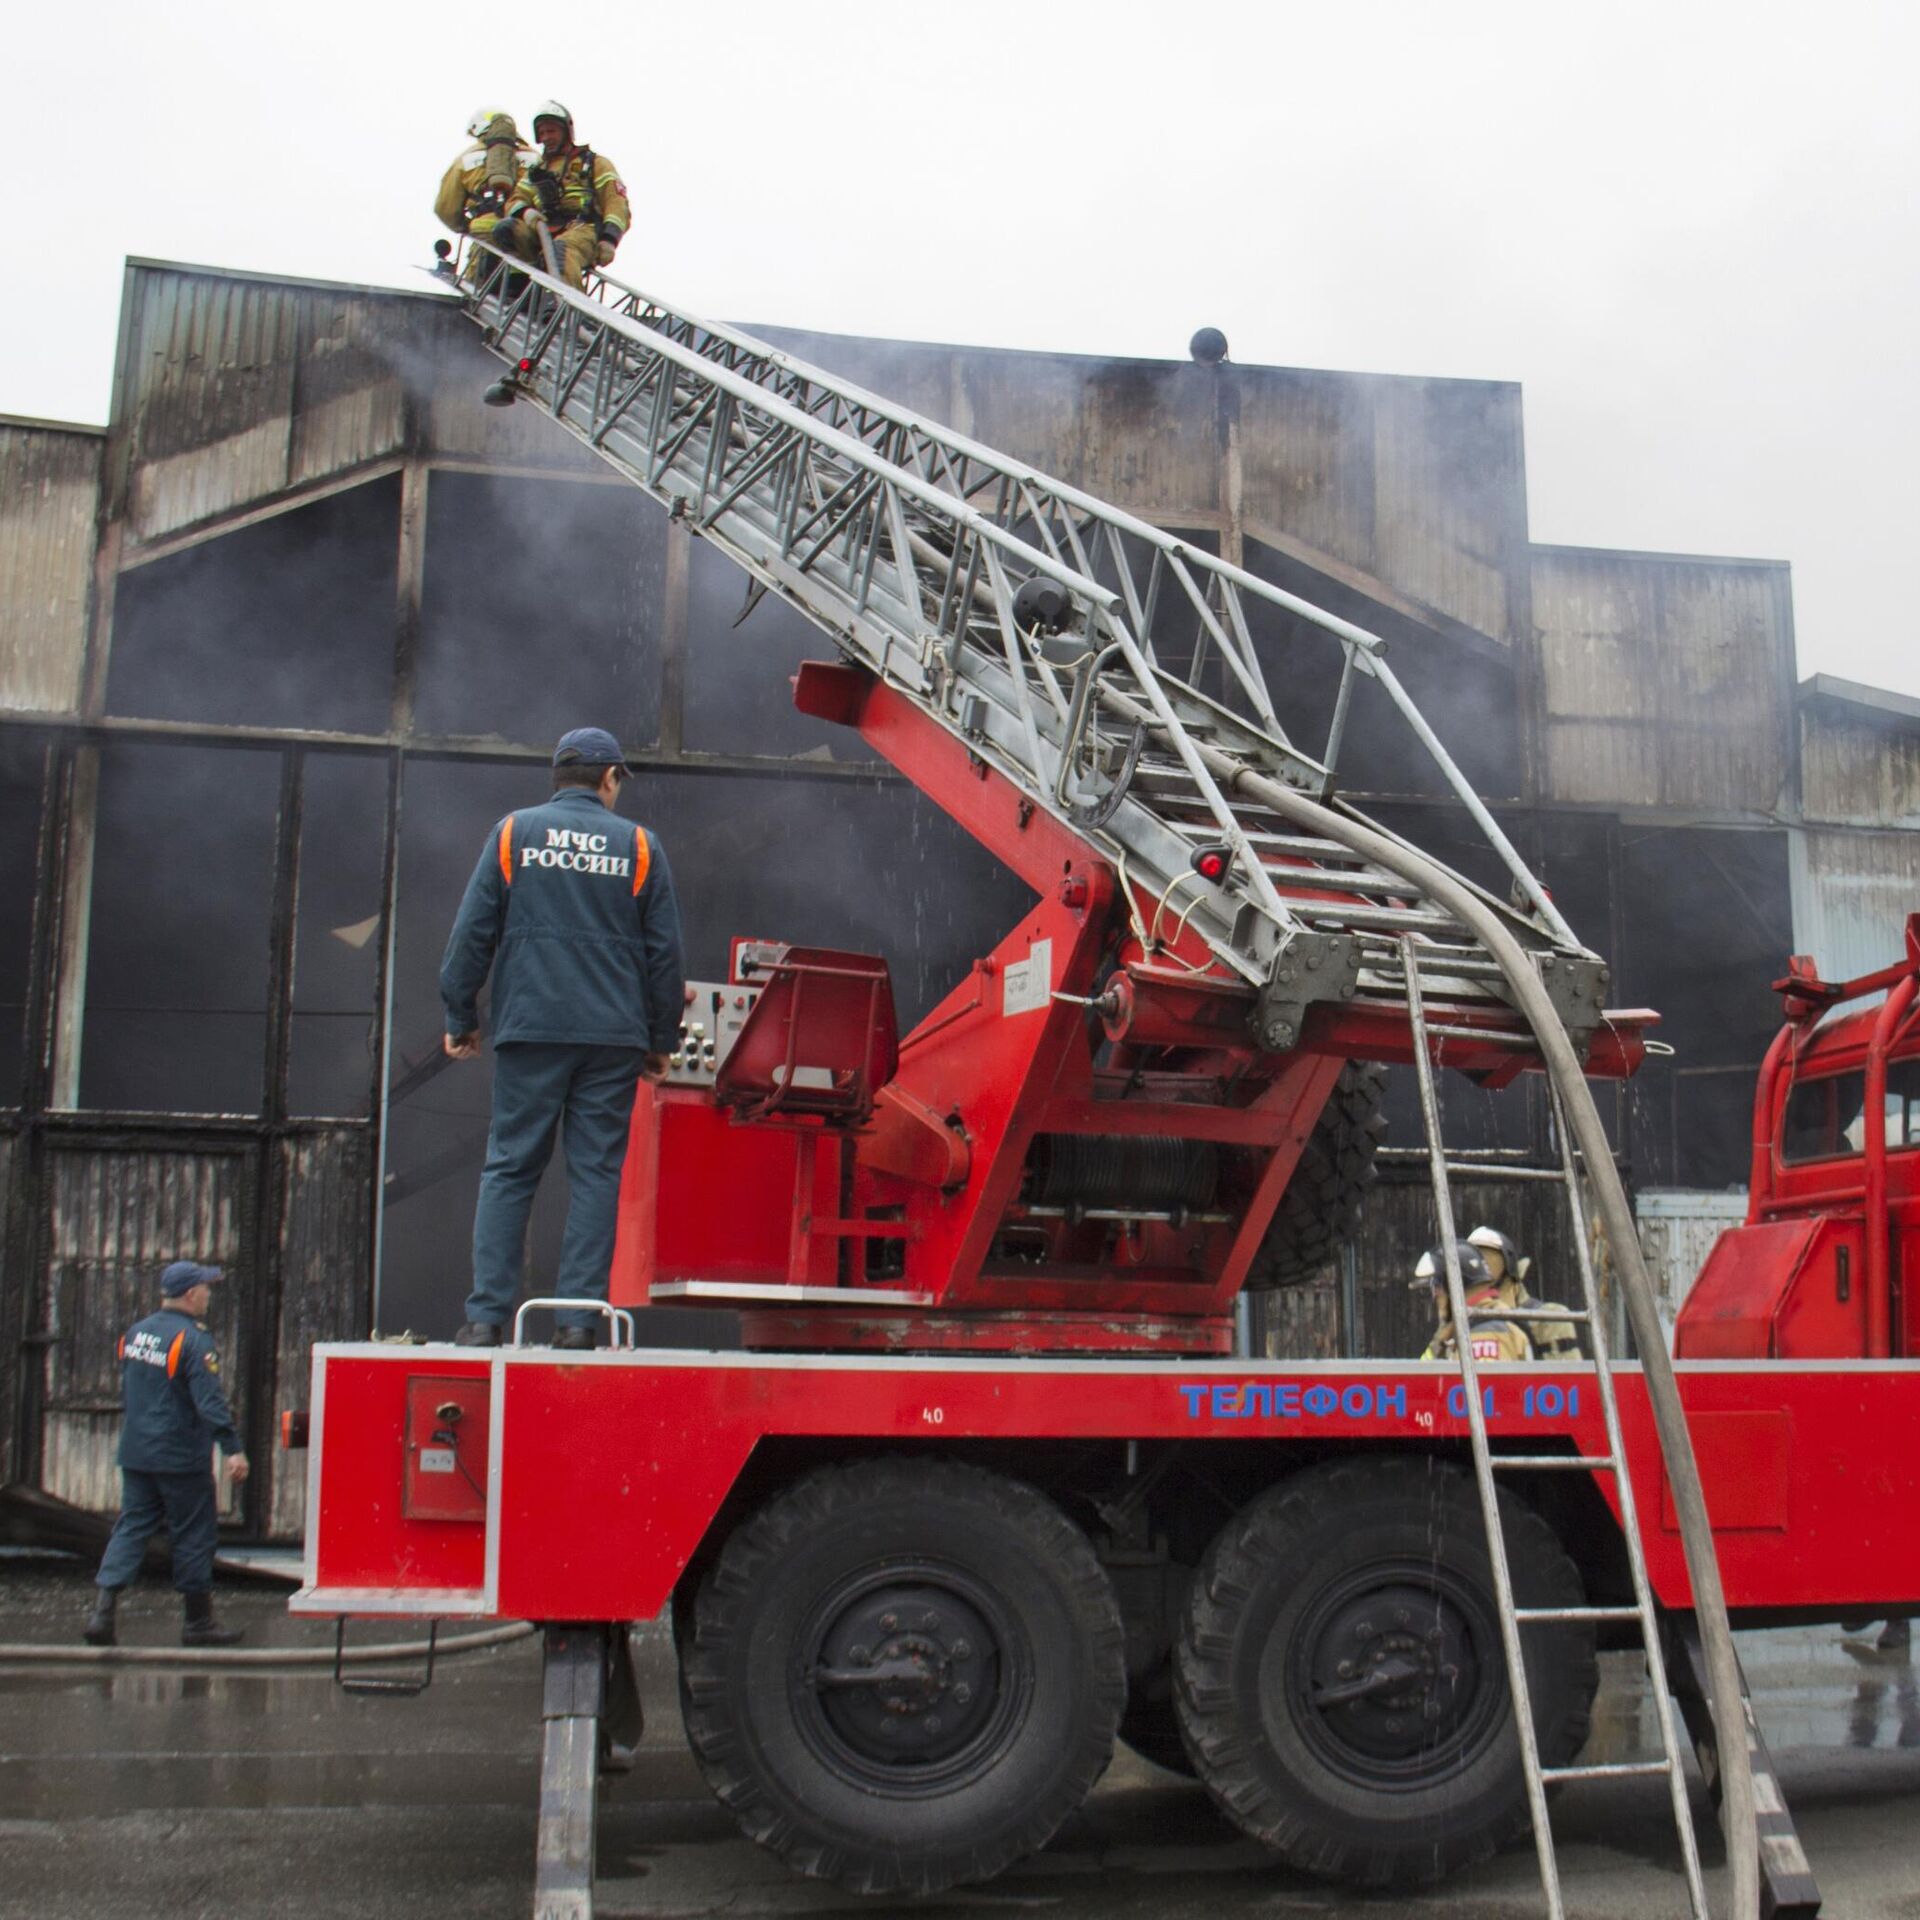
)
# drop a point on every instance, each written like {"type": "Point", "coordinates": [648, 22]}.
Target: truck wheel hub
{"type": "Point", "coordinates": [1389, 1677]}
{"type": "Point", "coordinates": [905, 1673]}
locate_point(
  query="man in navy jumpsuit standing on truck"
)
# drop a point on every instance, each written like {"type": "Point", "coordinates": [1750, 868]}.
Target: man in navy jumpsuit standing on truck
{"type": "Point", "coordinates": [572, 910]}
{"type": "Point", "coordinates": [176, 1414]}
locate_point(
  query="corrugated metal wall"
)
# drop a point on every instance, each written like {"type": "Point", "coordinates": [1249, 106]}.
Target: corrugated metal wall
{"type": "Point", "coordinates": [1418, 485]}
{"type": "Point", "coordinates": [1852, 893]}
{"type": "Point", "coordinates": [239, 390]}
{"type": "Point", "coordinates": [115, 1217]}
{"type": "Point", "coordinates": [325, 1293]}
{"type": "Point", "coordinates": [1858, 773]}
{"type": "Point", "coordinates": [1666, 682]}
{"type": "Point", "coordinates": [49, 500]}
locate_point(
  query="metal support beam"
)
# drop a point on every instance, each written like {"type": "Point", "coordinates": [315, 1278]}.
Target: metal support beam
{"type": "Point", "coordinates": [574, 1697]}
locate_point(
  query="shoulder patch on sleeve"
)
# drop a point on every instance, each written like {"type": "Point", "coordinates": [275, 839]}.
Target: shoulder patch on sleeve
{"type": "Point", "coordinates": [642, 859]}
{"type": "Point", "coordinates": [506, 849]}
{"type": "Point", "coordinates": [210, 1359]}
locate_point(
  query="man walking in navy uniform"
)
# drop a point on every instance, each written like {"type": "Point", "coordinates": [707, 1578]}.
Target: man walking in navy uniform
{"type": "Point", "coordinates": [176, 1414]}
{"type": "Point", "coordinates": [572, 910]}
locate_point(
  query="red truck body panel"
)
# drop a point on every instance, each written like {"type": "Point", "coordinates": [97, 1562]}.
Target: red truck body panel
{"type": "Point", "coordinates": [604, 1473]}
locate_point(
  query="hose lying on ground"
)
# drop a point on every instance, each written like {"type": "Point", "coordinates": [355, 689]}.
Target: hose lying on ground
{"type": "Point", "coordinates": [35, 1654]}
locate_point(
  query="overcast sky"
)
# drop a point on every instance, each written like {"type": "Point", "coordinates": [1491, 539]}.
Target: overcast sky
{"type": "Point", "coordinates": [1688, 229]}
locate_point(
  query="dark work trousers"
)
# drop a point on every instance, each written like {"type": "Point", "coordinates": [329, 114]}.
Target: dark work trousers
{"type": "Point", "coordinates": [587, 1094]}
{"type": "Point", "coordinates": [183, 1503]}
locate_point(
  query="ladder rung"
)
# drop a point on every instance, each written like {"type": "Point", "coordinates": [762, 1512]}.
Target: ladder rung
{"type": "Point", "coordinates": [1609, 1770]}
{"type": "Point", "coordinates": [1481, 1171]}
{"type": "Point", "coordinates": [1548, 1312]}
{"type": "Point", "coordinates": [1525, 1614]}
{"type": "Point", "coordinates": [1567, 1462]}
{"type": "Point", "coordinates": [1492, 1036]}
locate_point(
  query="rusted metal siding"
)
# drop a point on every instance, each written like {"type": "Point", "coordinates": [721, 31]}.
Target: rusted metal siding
{"type": "Point", "coordinates": [1857, 774]}
{"type": "Point", "coordinates": [1666, 681]}
{"type": "Point", "coordinates": [326, 1282]}
{"type": "Point", "coordinates": [49, 500]}
{"type": "Point", "coordinates": [115, 1218]}
{"type": "Point", "coordinates": [1852, 893]}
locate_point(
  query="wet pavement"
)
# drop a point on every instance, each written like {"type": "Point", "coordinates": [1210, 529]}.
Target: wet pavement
{"type": "Point", "coordinates": [131, 1793]}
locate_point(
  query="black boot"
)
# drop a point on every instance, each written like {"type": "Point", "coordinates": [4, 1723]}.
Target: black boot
{"type": "Point", "coordinates": [200, 1628]}
{"type": "Point", "coordinates": [477, 1333]}
{"type": "Point", "coordinates": [99, 1630]}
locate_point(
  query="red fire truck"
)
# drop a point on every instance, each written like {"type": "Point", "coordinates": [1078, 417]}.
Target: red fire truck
{"type": "Point", "coordinates": [921, 1410]}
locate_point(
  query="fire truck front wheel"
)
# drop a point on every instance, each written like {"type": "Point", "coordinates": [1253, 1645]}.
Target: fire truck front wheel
{"type": "Point", "coordinates": [1340, 1676]}
{"type": "Point", "coordinates": [904, 1674]}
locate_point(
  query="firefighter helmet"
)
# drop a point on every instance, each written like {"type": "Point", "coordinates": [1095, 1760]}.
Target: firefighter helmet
{"type": "Point", "coordinates": [1431, 1269]}
{"type": "Point", "coordinates": [1492, 1240]}
{"type": "Point", "coordinates": [552, 110]}
{"type": "Point", "coordinates": [484, 118]}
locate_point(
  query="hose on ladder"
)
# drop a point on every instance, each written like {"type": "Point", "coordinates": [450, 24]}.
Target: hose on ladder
{"type": "Point", "coordinates": [1663, 1396]}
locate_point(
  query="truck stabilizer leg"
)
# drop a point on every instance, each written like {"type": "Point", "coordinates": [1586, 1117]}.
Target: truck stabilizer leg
{"type": "Point", "coordinates": [574, 1697]}
{"type": "Point", "coordinates": [1788, 1890]}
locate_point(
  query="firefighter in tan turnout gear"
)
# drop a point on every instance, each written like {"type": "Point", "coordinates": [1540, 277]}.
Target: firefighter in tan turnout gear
{"type": "Point", "coordinates": [577, 192]}
{"type": "Point", "coordinates": [1492, 1275]}
{"type": "Point", "coordinates": [475, 190]}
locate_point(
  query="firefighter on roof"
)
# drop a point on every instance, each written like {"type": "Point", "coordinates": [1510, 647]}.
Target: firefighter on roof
{"type": "Point", "coordinates": [572, 910]}
{"type": "Point", "coordinates": [176, 1414]}
{"type": "Point", "coordinates": [577, 192]}
{"type": "Point", "coordinates": [475, 190]}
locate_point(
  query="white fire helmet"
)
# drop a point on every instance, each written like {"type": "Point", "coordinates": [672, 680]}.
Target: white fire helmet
{"type": "Point", "coordinates": [1492, 1240]}
{"type": "Point", "coordinates": [551, 110]}
{"type": "Point", "coordinates": [485, 118]}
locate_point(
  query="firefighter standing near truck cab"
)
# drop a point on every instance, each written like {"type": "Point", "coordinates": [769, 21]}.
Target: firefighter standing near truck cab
{"type": "Point", "coordinates": [175, 1415]}
{"type": "Point", "coordinates": [571, 909]}
{"type": "Point", "coordinates": [476, 189]}
{"type": "Point", "coordinates": [577, 192]}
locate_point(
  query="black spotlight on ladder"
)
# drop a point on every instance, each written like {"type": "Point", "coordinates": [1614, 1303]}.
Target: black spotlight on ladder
{"type": "Point", "coordinates": [502, 392]}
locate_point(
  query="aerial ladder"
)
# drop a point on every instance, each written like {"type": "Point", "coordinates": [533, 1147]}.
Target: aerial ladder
{"type": "Point", "coordinates": [1105, 676]}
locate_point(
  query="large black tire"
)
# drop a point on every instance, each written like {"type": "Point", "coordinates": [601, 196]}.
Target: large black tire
{"type": "Point", "coordinates": [1364, 1567]}
{"type": "Point", "coordinates": [1321, 1206]}
{"type": "Point", "coordinates": [998, 1671]}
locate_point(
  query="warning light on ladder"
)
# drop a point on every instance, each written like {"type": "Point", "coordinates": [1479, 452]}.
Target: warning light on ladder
{"type": "Point", "coordinates": [1213, 863]}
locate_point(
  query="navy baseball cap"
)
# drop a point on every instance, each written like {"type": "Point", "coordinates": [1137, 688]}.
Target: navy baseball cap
{"type": "Point", "coordinates": [588, 747]}
{"type": "Point", "coordinates": [183, 1275]}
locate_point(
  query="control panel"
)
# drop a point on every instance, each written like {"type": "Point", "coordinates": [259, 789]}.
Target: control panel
{"type": "Point", "coordinates": [716, 1011]}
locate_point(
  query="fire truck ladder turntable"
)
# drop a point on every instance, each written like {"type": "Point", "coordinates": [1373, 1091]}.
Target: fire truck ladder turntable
{"type": "Point", "coordinates": [1041, 627]}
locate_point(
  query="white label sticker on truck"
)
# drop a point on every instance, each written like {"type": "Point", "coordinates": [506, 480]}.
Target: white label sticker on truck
{"type": "Point", "coordinates": [1029, 983]}
{"type": "Point", "coordinates": [436, 1459]}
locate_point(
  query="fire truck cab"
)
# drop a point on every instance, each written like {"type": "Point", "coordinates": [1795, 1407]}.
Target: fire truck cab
{"type": "Point", "coordinates": [1817, 1270]}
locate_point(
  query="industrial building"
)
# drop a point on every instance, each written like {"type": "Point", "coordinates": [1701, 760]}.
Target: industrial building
{"type": "Point", "coordinates": [303, 620]}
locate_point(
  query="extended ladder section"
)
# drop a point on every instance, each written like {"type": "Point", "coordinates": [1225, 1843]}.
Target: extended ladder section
{"type": "Point", "coordinates": [1107, 669]}
{"type": "Point", "coordinates": [1113, 675]}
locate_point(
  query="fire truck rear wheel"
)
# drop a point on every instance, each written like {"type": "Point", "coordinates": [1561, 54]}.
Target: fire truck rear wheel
{"type": "Point", "coordinates": [904, 1674]}
{"type": "Point", "coordinates": [1321, 1206]}
{"type": "Point", "coordinates": [1340, 1676]}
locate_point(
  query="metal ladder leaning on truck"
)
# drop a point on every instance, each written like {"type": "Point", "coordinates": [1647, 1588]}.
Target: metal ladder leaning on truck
{"type": "Point", "coordinates": [935, 1449]}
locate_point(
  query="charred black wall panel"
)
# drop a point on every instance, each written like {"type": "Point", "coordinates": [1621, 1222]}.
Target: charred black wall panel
{"type": "Point", "coordinates": [541, 609]}
{"type": "Point", "coordinates": [288, 623]}
{"type": "Point", "coordinates": [177, 962]}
